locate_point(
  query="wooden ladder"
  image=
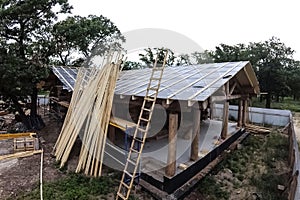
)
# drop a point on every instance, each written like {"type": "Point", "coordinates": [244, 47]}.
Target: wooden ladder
{"type": "Point", "coordinates": [140, 133]}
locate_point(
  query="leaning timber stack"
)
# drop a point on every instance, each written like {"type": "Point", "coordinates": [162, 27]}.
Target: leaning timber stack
{"type": "Point", "coordinates": [88, 116]}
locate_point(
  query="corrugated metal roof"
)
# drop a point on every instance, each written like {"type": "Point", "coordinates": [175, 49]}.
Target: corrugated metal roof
{"type": "Point", "coordinates": [67, 75]}
{"type": "Point", "coordinates": [192, 83]}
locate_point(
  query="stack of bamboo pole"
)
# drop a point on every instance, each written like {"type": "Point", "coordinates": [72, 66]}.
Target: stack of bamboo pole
{"type": "Point", "coordinates": [88, 116]}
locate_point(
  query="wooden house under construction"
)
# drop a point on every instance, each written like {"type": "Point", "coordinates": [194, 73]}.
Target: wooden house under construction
{"type": "Point", "coordinates": [184, 136]}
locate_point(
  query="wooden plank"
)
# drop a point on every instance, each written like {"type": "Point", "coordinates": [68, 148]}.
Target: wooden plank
{"type": "Point", "coordinates": [20, 154]}
{"type": "Point", "coordinates": [171, 160]}
{"type": "Point", "coordinates": [16, 135]}
{"type": "Point", "coordinates": [41, 175]}
{"type": "Point", "coordinates": [121, 123]}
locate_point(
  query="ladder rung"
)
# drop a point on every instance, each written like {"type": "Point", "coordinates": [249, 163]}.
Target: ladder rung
{"type": "Point", "coordinates": [149, 99]}
{"type": "Point", "coordinates": [146, 109]}
{"type": "Point", "coordinates": [140, 129]}
{"type": "Point", "coordinates": [158, 68]}
{"type": "Point", "coordinates": [153, 88]}
{"type": "Point", "coordinates": [131, 161]}
{"type": "Point", "coordinates": [139, 140]}
{"type": "Point", "coordinates": [128, 174]}
{"type": "Point", "coordinates": [134, 150]}
{"type": "Point", "coordinates": [121, 195]}
{"type": "Point", "coordinates": [155, 79]}
{"type": "Point", "coordinates": [127, 186]}
{"type": "Point", "coordinates": [143, 119]}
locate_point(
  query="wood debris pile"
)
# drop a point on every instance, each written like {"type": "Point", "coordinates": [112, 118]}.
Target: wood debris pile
{"type": "Point", "coordinates": [257, 129]}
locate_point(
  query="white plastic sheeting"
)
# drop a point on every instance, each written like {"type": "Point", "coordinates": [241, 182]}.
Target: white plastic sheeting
{"type": "Point", "coordinates": [257, 115]}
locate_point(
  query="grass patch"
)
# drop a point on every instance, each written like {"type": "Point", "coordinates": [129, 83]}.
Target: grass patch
{"type": "Point", "coordinates": [212, 189]}
{"type": "Point", "coordinates": [274, 150]}
{"type": "Point", "coordinates": [258, 167]}
{"type": "Point", "coordinates": [287, 104]}
{"type": "Point", "coordinates": [74, 186]}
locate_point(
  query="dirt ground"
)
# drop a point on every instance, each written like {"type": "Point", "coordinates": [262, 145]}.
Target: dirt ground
{"type": "Point", "coordinates": [22, 174]}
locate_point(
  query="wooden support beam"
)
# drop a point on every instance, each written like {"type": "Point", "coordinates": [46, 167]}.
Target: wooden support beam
{"type": "Point", "coordinates": [196, 134]}
{"type": "Point", "coordinates": [247, 75]}
{"type": "Point", "coordinates": [240, 113]}
{"type": "Point", "coordinates": [224, 98]}
{"type": "Point", "coordinates": [164, 104]}
{"type": "Point", "coordinates": [169, 101]}
{"type": "Point", "coordinates": [225, 114]}
{"type": "Point", "coordinates": [225, 120]}
{"type": "Point", "coordinates": [232, 88]}
{"type": "Point", "coordinates": [204, 105]}
{"type": "Point", "coordinates": [212, 109]}
{"type": "Point", "coordinates": [171, 161]}
{"type": "Point", "coordinates": [245, 112]}
{"type": "Point", "coordinates": [133, 98]}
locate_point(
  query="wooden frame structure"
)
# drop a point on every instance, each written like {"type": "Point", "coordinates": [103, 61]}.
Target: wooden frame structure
{"type": "Point", "coordinates": [240, 84]}
{"type": "Point", "coordinates": [198, 88]}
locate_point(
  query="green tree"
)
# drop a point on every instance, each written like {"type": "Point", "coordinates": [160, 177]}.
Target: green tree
{"type": "Point", "coordinates": [148, 58]}
{"type": "Point", "coordinates": [80, 36]}
{"type": "Point", "coordinates": [202, 57]}
{"type": "Point", "coordinates": [182, 60]}
{"type": "Point", "coordinates": [270, 60]}
{"type": "Point", "coordinates": [25, 48]}
{"type": "Point", "coordinates": [226, 53]}
{"type": "Point", "coordinates": [293, 79]}
{"type": "Point", "coordinates": [129, 65]}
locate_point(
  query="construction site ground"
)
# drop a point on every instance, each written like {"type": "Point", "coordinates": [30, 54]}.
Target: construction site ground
{"type": "Point", "coordinates": [231, 179]}
{"type": "Point", "coordinates": [20, 175]}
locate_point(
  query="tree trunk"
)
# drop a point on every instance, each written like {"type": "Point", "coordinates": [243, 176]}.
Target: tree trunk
{"type": "Point", "coordinates": [24, 118]}
{"type": "Point", "coordinates": [277, 98]}
{"type": "Point", "coordinates": [35, 120]}
{"type": "Point", "coordinates": [33, 107]}
{"type": "Point", "coordinates": [261, 98]}
{"type": "Point", "coordinates": [268, 100]}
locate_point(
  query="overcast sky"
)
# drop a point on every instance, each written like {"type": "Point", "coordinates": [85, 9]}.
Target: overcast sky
{"type": "Point", "coordinates": [208, 22]}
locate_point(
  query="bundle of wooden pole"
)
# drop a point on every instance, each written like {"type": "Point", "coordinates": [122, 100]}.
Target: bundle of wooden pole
{"type": "Point", "coordinates": [88, 116]}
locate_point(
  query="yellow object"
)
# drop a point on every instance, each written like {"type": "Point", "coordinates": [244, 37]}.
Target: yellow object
{"type": "Point", "coordinates": [20, 154]}
{"type": "Point", "coordinates": [16, 135]}
{"type": "Point", "coordinates": [121, 123]}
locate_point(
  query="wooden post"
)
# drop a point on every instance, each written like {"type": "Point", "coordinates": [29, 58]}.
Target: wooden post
{"type": "Point", "coordinates": [171, 162]}
{"type": "Point", "coordinates": [225, 120]}
{"type": "Point", "coordinates": [245, 111]}
{"type": "Point", "coordinates": [240, 113]}
{"type": "Point", "coordinates": [211, 109]}
{"type": "Point", "coordinates": [196, 134]}
{"type": "Point", "coordinates": [225, 114]}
